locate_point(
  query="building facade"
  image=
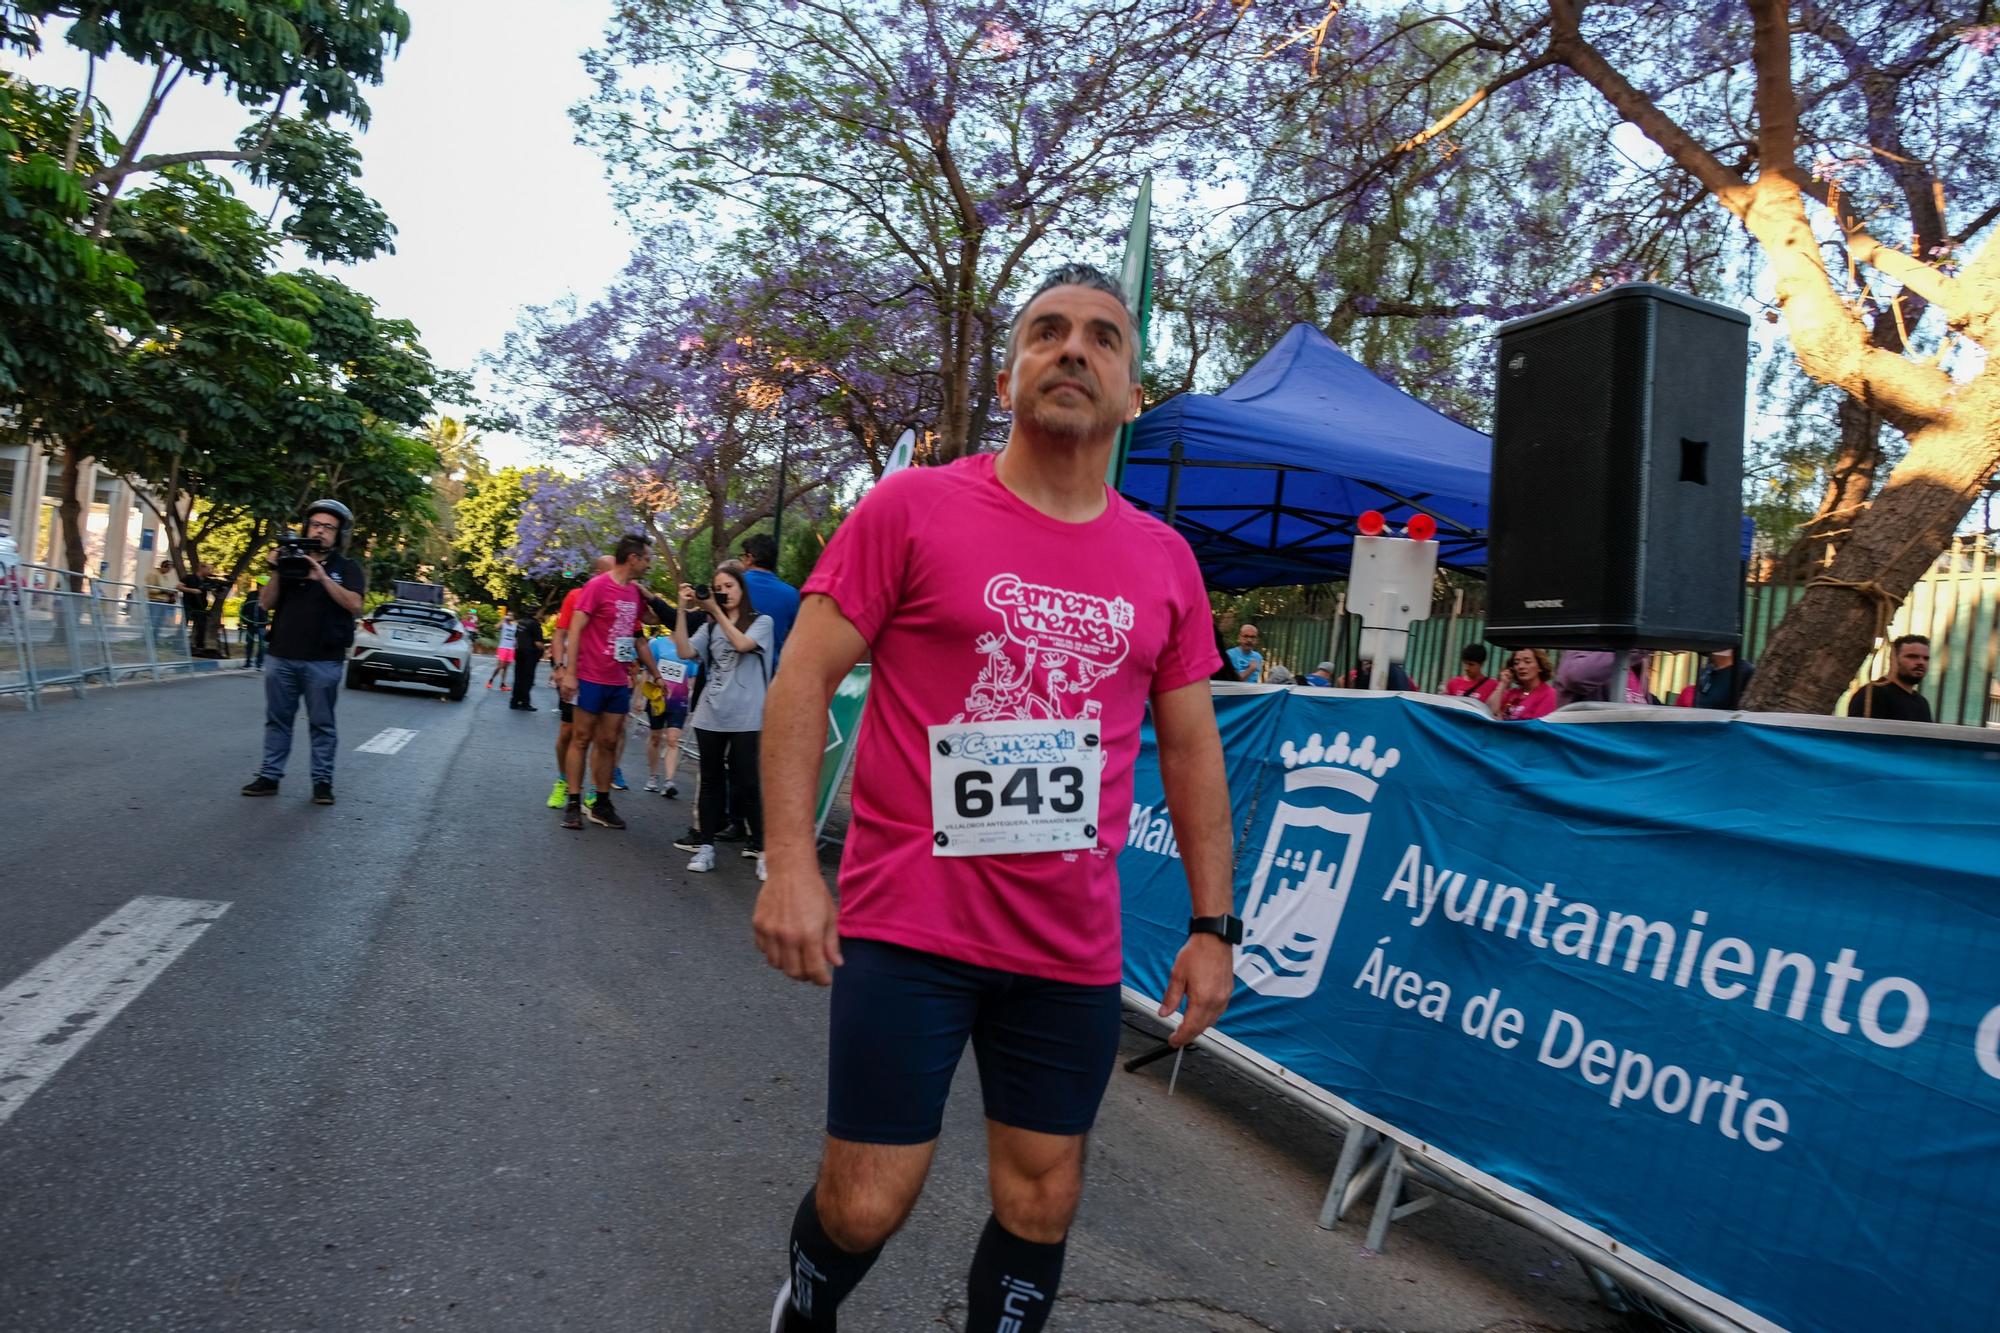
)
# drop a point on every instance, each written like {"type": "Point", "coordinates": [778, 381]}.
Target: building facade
{"type": "Point", "coordinates": [121, 535]}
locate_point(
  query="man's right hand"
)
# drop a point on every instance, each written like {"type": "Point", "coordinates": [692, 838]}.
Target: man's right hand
{"type": "Point", "coordinates": [797, 926]}
{"type": "Point", "coordinates": [271, 557]}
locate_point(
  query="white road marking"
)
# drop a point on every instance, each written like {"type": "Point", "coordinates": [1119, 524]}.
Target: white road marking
{"type": "Point", "coordinates": [54, 1010]}
{"type": "Point", "coordinates": [387, 741]}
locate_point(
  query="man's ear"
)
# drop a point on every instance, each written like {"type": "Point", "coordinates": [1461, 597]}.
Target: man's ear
{"type": "Point", "coordinates": [1003, 385]}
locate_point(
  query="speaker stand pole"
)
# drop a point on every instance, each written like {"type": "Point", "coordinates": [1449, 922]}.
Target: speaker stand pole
{"type": "Point", "coordinates": [1621, 667]}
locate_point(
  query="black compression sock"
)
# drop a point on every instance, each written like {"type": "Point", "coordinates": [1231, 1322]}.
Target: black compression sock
{"type": "Point", "coordinates": [822, 1272]}
{"type": "Point", "coordinates": [1012, 1286]}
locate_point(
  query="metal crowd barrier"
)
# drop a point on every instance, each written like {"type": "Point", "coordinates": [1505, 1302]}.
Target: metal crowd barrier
{"type": "Point", "coordinates": [59, 628]}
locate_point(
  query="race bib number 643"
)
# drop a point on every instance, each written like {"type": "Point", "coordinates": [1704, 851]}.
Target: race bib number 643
{"type": "Point", "coordinates": [1001, 787]}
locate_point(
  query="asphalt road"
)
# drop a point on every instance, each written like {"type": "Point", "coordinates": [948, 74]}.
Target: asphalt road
{"type": "Point", "coordinates": [441, 1065]}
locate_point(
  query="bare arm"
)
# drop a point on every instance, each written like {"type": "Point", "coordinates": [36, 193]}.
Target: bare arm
{"type": "Point", "coordinates": [346, 599]}
{"type": "Point", "coordinates": [795, 923]}
{"type": "Point", "coordinates": [570, 638]}
{"type": "Point", "coordinates": [1197, 791]}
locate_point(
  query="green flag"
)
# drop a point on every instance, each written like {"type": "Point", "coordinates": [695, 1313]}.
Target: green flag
{"type": "Point", "coordinates": [1136, 276]}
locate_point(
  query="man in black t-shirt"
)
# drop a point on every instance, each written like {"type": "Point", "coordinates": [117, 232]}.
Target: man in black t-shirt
{"type": "Point", "coordinates": [314, 610]}
{"type": "Point", "coordinates": [527, 654]}
{"type": "Point", "coordinates": [1894, 697]}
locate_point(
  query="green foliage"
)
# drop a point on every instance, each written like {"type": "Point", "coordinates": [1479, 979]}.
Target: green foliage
{"type": "Point", "coordinates": [57, 284]}
{"type": "Point", "coordinates": [487, 521]}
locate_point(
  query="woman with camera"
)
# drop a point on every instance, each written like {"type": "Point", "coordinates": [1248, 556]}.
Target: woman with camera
{"type": "Point", "coordinates": [734, 649]}
{"type": "Point", "coordinates": [1524, 690]}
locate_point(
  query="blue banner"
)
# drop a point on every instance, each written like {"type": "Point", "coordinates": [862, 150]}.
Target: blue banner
{"type": "Point", "coordinates": [1726, 993]}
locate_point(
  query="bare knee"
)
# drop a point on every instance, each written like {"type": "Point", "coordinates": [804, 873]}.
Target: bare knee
{"type": "Point", "coordinates": [1037, 1181]}
{"type": "Point", "coordinates": [866, 1190]}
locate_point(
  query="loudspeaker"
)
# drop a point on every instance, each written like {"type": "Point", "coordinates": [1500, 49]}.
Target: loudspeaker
{"type": "Point", "coordinates": [1617, 489]}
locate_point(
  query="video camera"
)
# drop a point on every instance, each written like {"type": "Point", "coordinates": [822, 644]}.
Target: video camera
{"type": "Point", "coordinates": [295, 557]}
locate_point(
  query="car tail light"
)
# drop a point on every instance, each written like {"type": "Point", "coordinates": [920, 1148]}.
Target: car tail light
{"type": "Point", "coordinates": [368, 625]}
{"type": "Point", "coordinates": [454, 636]}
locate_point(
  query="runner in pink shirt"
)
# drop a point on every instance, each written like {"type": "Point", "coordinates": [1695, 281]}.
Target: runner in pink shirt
{"type": "Point", "coordinates": [601, 648]}
{"type": "Point", "coordinates": [1020, 616]}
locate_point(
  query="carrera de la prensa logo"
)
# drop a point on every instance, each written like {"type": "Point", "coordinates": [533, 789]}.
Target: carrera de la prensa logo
{"type": "Point", "coordinates": [1055, 647]}
{"type": "Point", "coordinates": [1299, 890]}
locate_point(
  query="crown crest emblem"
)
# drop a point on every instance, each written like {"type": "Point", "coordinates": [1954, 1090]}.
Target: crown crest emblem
{"type": "Point", "coordinates": [1362, 757]}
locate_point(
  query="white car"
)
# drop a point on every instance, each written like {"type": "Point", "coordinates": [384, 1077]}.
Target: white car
{"type": "Point", "coordinates": [413, 642]}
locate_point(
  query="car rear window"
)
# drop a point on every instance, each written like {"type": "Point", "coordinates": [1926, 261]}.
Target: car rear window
{"type": "Point", "coordinates": [410, 612]}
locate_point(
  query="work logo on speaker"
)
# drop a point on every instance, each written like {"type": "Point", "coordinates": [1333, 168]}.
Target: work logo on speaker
{"type": "Point", "coordinates": [1299, 889]}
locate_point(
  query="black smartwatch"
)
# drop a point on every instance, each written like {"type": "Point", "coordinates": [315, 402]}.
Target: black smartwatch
{"type": "Point", "coordinates": [1230, 928]}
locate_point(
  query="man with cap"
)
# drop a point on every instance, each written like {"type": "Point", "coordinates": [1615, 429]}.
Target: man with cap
{"type": "Point", "coordinates": [314, 599]}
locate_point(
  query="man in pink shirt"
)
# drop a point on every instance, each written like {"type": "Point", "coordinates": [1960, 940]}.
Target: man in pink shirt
{"type": "Point", "coordinates": [1472, 680]}
{"type": "Point", "coordinates": [1020, 616]}
{"type": "Point", "coordinates": [599, 649]}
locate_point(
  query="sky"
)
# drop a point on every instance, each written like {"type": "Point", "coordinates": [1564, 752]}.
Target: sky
{"type": "Point", "coordinates": [470, 150]}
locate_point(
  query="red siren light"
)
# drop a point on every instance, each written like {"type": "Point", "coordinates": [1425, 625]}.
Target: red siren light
{"type": "Point", "coordinates": [1422, 528]}
{"type": "Point", "coordinates": [1371, 523]}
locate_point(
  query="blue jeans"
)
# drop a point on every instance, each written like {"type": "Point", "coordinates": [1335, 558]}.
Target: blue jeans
{"type": "Point", "coordinates": [285, 680]}
{"type": "Point", "coordinates": [253, 644]}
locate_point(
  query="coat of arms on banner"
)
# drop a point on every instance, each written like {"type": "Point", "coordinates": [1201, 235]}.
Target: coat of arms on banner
{"type": "Point", "coordinates": [1299, 889]}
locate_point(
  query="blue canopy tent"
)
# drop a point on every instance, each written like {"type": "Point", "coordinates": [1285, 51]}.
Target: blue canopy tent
{"type": "Point", "coordinates": [1266, 478]}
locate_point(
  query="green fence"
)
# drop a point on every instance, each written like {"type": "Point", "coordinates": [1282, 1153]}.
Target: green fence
{"type": "Point", "coordinates": [1957, 604]}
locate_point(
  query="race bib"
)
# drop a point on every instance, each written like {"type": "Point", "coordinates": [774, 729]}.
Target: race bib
{"type": "Point", "coordinates": [622, 650]}
{"type": "Point", "coordinates": [673, 670]}
{"type": "Point", "coordinates": [1001, 787]}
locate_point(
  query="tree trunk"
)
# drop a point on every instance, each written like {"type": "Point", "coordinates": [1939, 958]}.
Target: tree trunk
{"type": "Point", "coordinates": [1834, 625]}
{"type": "Point", "coordinates": [955, 407]}
{"type": "Point", "coordinates": [70, 513]}
{"type": "Point", "coordinates": [1848, 485]}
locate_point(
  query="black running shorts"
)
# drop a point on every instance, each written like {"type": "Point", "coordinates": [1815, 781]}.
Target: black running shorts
{"type": "Point", "coordinates": [900, 1022]}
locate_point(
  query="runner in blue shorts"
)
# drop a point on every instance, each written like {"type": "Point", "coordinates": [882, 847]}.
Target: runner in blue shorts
{"type": "Point", "coordinates": [666, 717]}
{"type": "Point", "coordinates": [1021, 617]}
{"type": "Point", "coordinates": [601, 647]}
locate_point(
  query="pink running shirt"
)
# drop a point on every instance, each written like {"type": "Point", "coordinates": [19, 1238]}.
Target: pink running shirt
{"type": "Point", "coordinates": [613, 609]}
{"type": "Point", "coordinates": [1461, 686]}
{"type": "Point", "coordinates": [978, 607]}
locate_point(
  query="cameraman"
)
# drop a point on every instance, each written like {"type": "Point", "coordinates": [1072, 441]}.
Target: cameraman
{"type": "Point", "coordinates": [315, 594]}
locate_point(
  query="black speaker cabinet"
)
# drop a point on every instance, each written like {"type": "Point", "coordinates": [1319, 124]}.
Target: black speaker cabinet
{"type": "Point", "coordinates": [1617, 500]}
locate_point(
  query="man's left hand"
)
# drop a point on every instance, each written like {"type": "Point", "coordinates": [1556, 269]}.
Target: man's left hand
{"type": "Point", "coordinates": [1203, 975]}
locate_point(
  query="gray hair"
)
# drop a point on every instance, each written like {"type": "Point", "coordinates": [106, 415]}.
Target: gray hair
{"type": "Point", "coordinates": [1074, 274]}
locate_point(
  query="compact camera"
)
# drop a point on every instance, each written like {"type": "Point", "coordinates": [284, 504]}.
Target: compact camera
{"type": "Point", "coordinates": [701, 592]}
{"type": "Point", "coordinates": [295, 557]}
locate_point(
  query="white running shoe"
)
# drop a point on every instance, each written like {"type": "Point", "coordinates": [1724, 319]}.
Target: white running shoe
{"type": "Point", "coordinates": [670, 790]}
{"type": "Point", "coordinates": [778, 1310]}
{"type": "Point", "coordinates": [652, 782]}
{"type": "Point", "coordinates": [761, 875]}
{"type": "Point", "coordinates": [703, 859]}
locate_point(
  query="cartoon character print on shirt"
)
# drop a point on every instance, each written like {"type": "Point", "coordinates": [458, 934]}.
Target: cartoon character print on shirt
{"type": "Point", "coordinates": [1054, 648]}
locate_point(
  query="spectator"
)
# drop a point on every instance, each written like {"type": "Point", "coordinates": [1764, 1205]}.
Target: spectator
{"type": "Point", "coordinates": [1358, 678]}
{"type": "Point", "coordinates": [195, 593]}
{"type": "Point", "coordinates": [162, 591]}
{"type": "Point", "coordinates": [1279, 675]}
{"type": "Point", "coordinates": [1895, 697]}
{"type": "Point", "coordinates": [734, 650]}
{"type": "Point", "coordinates": [1585, 677]}
{"type": "Point", "coordinates": [1472, 682]}
{"type": "Point", "coordinates": [768, 593]}
{"type": "Point", "coordinates": [1321, 675]}
{"type": "Point", "coordinates": [527, 656]}
{"type": "Point", "coordinates": [1244, 658]}
{"type": "Point", "coordinates": [1723, 681]}
{"type": "Point", "coordinates": [1524, 690]}
{"type": "Point", "coordinates": [503, 653]}
{"type": "Point", "coordinates": [252, 619]}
